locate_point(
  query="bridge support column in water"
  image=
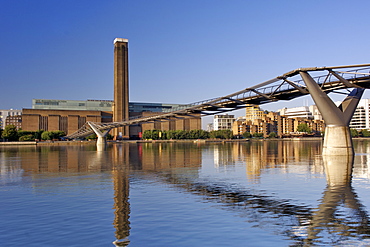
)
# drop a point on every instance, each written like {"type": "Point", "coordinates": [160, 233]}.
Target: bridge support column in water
{"type": "Point", "coordinates": [337, 140]}
{"type": "Point", "coordinates": [102, 136]}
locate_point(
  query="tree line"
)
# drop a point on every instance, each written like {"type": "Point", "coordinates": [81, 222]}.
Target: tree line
{"type": "Point", "coordinates": [10, 133]}
{"type": "Point", "coordinates": [360, 133]}
{"type": "Point", "coordinates": [186, 134]}
{"type": "Point", "coordinates": [197, 134]}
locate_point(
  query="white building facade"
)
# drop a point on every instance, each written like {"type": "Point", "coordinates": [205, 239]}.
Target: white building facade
{"type": "Point", "coordinates": [223, 122]}
{"type": "Point", "coordinates": [296, 112]}
{"type": "Point", "coordinates": [361, 117]}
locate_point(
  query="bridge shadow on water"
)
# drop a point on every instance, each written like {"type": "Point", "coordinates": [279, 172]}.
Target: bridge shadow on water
{"type": "Point", "coordinates": [304, 225]}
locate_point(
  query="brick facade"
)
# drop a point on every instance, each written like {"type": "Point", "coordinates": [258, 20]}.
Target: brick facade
{"type": "Point", "coordinates": [68, 121]}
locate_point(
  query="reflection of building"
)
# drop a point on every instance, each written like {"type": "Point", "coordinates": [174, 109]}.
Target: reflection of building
{"type": "Point", "coordinates": [163, 156]}
{"type": "Point", "coordinates": [143, 156]}
{"type": "Point", "coordinates": [70, 115]}
{"type": "Point", "coordinates": [260, 156]}
{"type": "Point", "coordinates": [223, 122]}
{"type": "Point", "coordinates": [222, 155]}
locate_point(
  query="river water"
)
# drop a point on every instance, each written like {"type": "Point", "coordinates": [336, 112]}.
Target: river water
{"type": "Point", "coordinates": [257, 193]}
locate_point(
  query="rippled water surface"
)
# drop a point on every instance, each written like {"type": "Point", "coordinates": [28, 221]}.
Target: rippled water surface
{"type": "Point", "coordinates": [257, 193]}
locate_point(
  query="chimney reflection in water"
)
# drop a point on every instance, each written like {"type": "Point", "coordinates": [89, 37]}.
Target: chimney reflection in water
{"type": "Point", "coordinates": [121, 194]}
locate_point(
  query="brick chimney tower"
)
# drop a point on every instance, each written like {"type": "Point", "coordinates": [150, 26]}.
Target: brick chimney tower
{"type": "Point", "coordinates": [121, 93]}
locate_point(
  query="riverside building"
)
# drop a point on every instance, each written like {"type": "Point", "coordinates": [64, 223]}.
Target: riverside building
{"type": "Point", "coordinates": [361, 118]}
{"type": "Point", "coordinates": [11, 117]}
{"type": "Point", "coordinates": [223, 122]}
{"type": "Point", "coordinates": [70, 115]}
{"type": "Point", "coordinates": [265, 123]}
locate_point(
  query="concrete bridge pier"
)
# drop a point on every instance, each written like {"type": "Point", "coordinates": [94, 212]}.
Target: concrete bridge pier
{"type": "Point", "coordinates": [102, 136]}
{"type": "Point", "coordinates": [337, 139]}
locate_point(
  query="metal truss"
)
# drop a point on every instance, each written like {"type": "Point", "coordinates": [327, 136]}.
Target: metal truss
{"type": "Point", "coordinates": [285, 87]}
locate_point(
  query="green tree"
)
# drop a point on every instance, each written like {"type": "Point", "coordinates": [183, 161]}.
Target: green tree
{"type": "Point", "coordinates": [46, 135]}
{"type": "Point", "coordinates": [151, 134]}
{"type": "Point", "coordinates": [10, 133]}
{"type": "Point", "coordinates": [247, 135]}
{"type": "Point", "coordinates": [57, 134]}
{"type": "Point", "coordinates": [303, 127]}
{"type": "Point", "coordinates": [147, 134]}
{"type": "Point", "coordinates": [354, 133]}
{"type": "Point", "coordinates": [29, 137]}
{"type": "Point", "coordinates": [38, 134]}
{"type": "Point", "coordinates": [26, 135]}
{"type": "Point", "coordinates": [194, 134]}
{"type": "Point", "coordinates": [92, 137]}
{"type": "Point", "coordinates": [257, 135]}
{"type": "Point", "coordinates": [170, 134]}
{"type": "Point", "coordinates": [221, 134]}
{"type": "Point", "coordinates": [272, 135]}
{"type": "Point", "coordinates": [201, 134]}
{"type": "Point", "coordinates": [155, 134]}
{"type": "Point", "coordinates": [183, 134]}
{"type": "Point", "coordinates": [365, 133]}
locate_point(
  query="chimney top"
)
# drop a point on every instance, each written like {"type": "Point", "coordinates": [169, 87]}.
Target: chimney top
{"type": "Point", "coordinates": [120, 40]}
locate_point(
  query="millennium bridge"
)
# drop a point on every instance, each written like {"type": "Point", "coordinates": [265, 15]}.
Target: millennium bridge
{"type": "Point", "coordinates": [350, 80]}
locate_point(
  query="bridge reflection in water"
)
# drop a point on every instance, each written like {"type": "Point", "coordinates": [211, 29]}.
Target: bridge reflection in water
{"type": "Point", "coordinates": [338, 216]}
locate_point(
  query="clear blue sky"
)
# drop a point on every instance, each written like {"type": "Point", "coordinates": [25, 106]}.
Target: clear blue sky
{"type": "Point", "coordinates": [179, 51]}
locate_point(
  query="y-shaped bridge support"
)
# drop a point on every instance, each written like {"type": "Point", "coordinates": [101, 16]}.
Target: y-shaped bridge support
{"type": "Point", "coordinates": [102, 136]}
{"type": "Point", "coordinates": [337, 140]}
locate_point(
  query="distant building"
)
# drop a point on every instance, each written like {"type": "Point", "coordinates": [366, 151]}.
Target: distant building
{"type": "Point", "coordinates": [253, 112]}
{"type": "Point", "coordinates": [70, 115]}
{"type": "Point", "coordinates": [223, 122]}
{"type": "Point", "coordinates": [265, 123]}
{"type": "Point", "coordinates": [11, 116]}
{"type": "Point", "coordinates": [68, 121]}
{"type": "Point", "coordinates": [315, 112]}
{"type": "Point", "coordinates": [361, 117]}
{"type": "Point", "coordinates": [100, 105]}
{"type": "Point", "coordinates": [296, 112]}
{"type": "Point", "coordinates": [257, 120]}
{"type": "Point", "coordinates": [80, 105]}
{"type": "Point", "coordinates": [14, 120]}
{"type": "Point", "coordinates": [209, 126]}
